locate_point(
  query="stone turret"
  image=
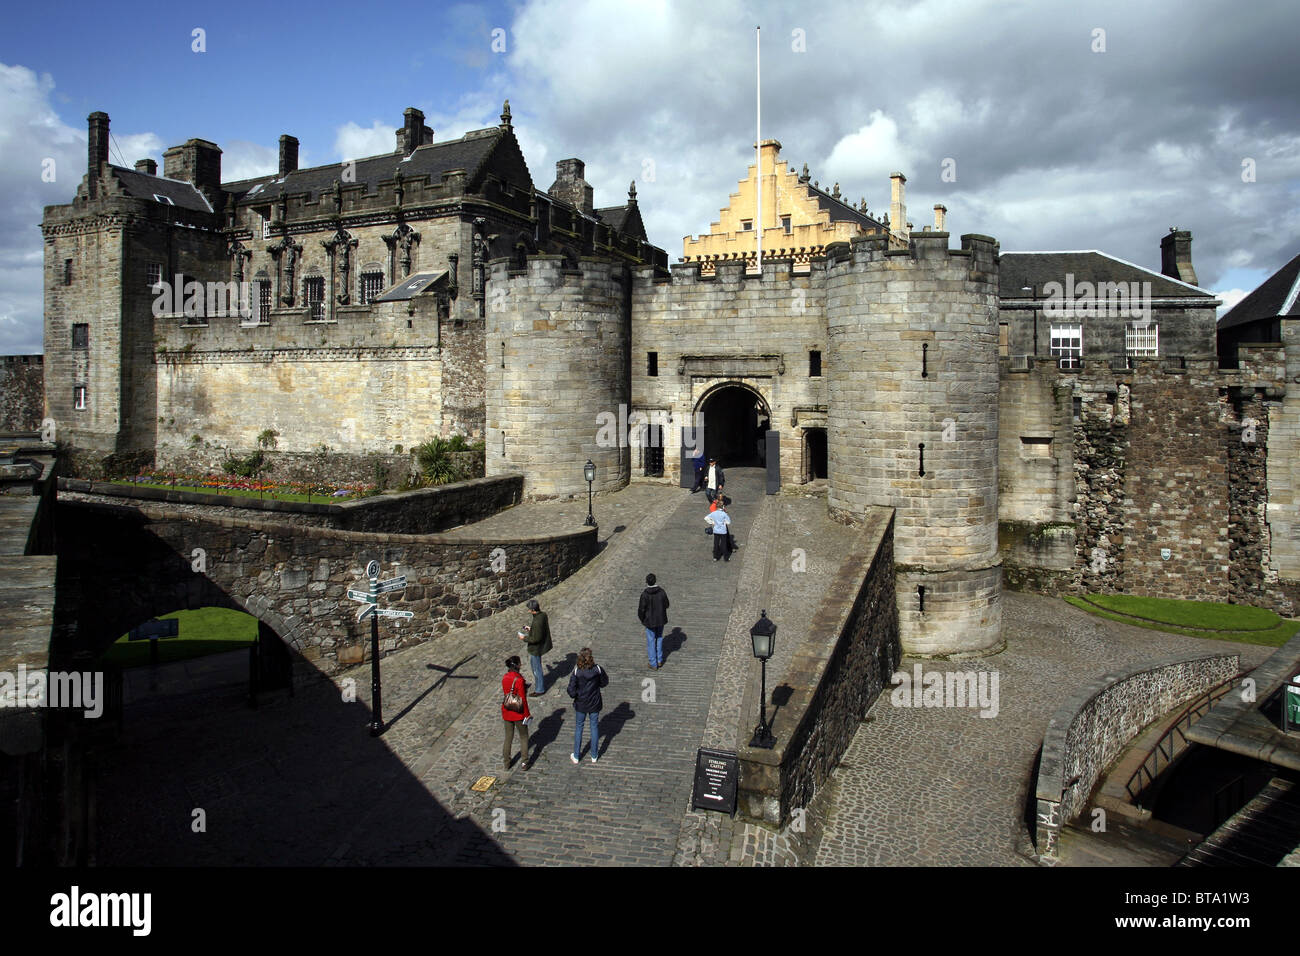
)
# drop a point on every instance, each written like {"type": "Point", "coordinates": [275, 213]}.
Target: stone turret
{"type": "Point", "coordinates": [913, 425]}
{"type": "Point", "coordinates": [557, 347]}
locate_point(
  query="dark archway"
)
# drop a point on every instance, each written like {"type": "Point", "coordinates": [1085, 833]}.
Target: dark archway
{"type": "Point", "coordinates": [814, 454]}
{"type": "Point", "coordinates": [735, 418]}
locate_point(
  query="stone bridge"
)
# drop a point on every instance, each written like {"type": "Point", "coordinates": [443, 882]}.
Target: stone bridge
{"type": "Point", "coordinates": [127, 555]}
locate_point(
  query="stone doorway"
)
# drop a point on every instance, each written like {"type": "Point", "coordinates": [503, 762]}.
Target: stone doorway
{"type": "Point", "coordinates": [814, 454]}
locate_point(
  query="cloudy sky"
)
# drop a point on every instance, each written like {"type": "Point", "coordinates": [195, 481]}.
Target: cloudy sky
{"type": "Point", "coordinates": [1069, 125]}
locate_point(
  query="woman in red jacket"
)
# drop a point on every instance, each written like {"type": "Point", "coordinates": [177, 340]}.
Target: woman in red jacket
{"type": "Point", "coordinates": [513, 683]}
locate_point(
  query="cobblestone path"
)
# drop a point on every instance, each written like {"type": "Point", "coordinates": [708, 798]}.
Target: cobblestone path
{"type": "Point", "coordinates": [945, 787]}
{"type": "Point", "coordinates": [627, 808]}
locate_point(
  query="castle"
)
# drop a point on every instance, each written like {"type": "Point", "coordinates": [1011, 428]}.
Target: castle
{"type": "Point", "coordinates": [1059, 421]}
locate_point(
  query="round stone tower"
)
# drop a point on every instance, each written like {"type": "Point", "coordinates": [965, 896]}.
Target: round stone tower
{"type": "Point", "coordinates": [557, 390]}
{"type": "Point", "coordinates": [913, 425]}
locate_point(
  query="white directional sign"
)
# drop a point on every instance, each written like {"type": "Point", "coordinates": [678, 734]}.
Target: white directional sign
{"type": "Point", "coordinates": [366, 611]}
{"type": "Point", "coordinates": [393, 584]}
{"type": "Point", "coordinates": [389, 612]}
{"type": "Point", "coordinates": [362, 596]}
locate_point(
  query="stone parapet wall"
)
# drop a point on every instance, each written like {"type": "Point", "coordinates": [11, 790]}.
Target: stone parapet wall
{"type": "Point", "coordinates": [1088, 732]}
{"type": "Point", "coordinates": [294, 578]}
{"type": "Point", "coordinates": [837, 672]}
{"type": "Point", "coordinates": [423, 511]}
{"type": "Point", "coordinates": [22, 392]}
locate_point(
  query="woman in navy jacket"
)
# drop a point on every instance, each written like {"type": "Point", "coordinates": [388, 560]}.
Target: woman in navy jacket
{"type": "Point", "coordinates": [584, 687]}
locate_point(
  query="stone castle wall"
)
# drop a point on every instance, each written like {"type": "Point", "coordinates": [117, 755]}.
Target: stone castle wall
{"type": "Point", "coordinates": [733, 328]}
{"type": "Point", "coordinates": [22, 392]}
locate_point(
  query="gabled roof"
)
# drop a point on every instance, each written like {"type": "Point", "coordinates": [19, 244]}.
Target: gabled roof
{"type": "Point", "coordinates": [471, 153]}
{"type": "Point", "coordinates": [842, 211]}
{"type": "Point", "coordinates": [174, 192]}
{"type": "Point", "coordinates": [1278, 296]}
{"type": "Point", "coordinates": [623, 219]}
{"type": "Point", "coordinates": [1019, 269]}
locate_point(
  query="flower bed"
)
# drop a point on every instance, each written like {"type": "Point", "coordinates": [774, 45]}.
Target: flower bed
{"type": "Point", "coordinates": [233, 485]}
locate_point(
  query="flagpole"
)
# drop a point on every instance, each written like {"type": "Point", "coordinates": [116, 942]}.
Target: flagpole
{"type": "Point", "coordinates": [758, 132]}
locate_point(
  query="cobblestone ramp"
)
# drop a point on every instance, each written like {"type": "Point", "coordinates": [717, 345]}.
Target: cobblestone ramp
{"type": "Point", "coordinates": [626, 809]}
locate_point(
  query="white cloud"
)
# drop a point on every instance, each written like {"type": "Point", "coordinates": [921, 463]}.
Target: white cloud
{"type": "Point", "coordinates": [357, 142]}
{"type": "Point", "coordinates": [241, 159]}
{"type": "Point", "coordinates": [1230, 298]}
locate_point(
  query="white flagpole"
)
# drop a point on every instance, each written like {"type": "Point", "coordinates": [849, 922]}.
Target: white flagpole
{"type": "Point", "coordinates": [758, 132]}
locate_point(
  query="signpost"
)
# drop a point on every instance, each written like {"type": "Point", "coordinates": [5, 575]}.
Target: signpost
{"type": "Point", "coordinates": [716, 775]}
{"type": "Point", "coordinates": [372, 610]}
{"type": "Point", "coordinates": [153, 631]}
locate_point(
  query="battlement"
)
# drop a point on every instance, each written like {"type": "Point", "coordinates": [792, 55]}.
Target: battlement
{"type": "Point", "coordinates": [542, 271]}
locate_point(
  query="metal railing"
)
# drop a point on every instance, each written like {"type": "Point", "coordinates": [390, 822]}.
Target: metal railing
{"type": "Point", "coordinates": [1174, 740]}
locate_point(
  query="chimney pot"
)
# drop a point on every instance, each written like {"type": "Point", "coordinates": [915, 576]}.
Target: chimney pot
{"type": "Point", "coordinates": [1176, 256]}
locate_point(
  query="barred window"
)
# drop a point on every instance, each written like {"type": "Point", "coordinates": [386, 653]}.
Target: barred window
{"type": "Point", "coordinates": [1067, 345]}
{"type": "Point", "coordinates": [1142, 342]}
{"type": "Point", "coordinates": [372, 283]}
{"type": "Point", "coordinates": [314, 292]}
{"type": "Point", "coordinates": [67, 272]}
{"type": "Point", "coordinates": [79, 396]}
{"type": "Point", "coordinates": [263, 300]}
{"type": "Point", "coordinates": [155, 276]}
{"type": "Point", "coordinates": [81, 335]}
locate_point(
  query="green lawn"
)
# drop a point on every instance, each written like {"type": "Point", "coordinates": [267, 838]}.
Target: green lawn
{"type": "Point", "coordinates": [1223, 622]}
{"type": "Point", "coordinates": [208, 630]}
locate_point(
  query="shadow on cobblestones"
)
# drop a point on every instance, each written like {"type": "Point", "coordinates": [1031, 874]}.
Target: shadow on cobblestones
{"type": "Point", "coordinates": [273, 784]}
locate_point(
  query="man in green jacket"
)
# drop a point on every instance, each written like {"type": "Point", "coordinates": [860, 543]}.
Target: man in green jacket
{"type": "Point", "coordinates": [537, 636]}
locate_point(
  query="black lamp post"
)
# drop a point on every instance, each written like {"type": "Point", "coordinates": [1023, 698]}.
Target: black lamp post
{"type": "Point", "coordinates": [763, 636]}
{"type": "Point", "coordinates": [589, 472]}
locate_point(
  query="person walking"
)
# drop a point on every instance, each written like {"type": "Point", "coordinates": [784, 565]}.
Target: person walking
{"type": "Point", "coordinates": [720, 522]}
{"type": "Point", "coordinates": [700, 464]}
{"type": "Point", "coordinates": [584, 687]}
{"type": "Point", "coordinates": [514, 713]}
{"type": "Point", "coordinates": [653, 612]}
{"type": "Point", "coordinates": [537, 635]}
{"type": "Point", "coordinates": [716, 479]}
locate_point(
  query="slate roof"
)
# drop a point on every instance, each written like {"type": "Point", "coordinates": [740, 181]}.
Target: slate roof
{"type": "Point", "coordinates": [625, 220]}
{"type": "Point", "coordinates": [1019, 269]}
{"type": "Point", "coordinates": [1278, 296]}
{"type": "Point", "coordinates": [469, 153]}
{"type": "Point", "coordinates": [410, 287]}
{"type": "Point", "coordinates": [842, 211]}
{"type": "Point", "coordinates": [144, 186]}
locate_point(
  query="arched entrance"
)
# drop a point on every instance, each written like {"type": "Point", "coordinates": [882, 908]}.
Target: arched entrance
{"type": "Point", "coordinates": [735, 419]}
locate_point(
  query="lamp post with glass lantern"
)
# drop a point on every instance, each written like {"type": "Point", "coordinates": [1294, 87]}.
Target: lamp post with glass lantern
{"type": "Point", "coordinates": [589, 472]}
{"type": "Point", "coordinates": [763, 637]}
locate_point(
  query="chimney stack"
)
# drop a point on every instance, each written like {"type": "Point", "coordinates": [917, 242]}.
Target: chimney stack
{"type": "Point", "coordinates": [1176, 255]}
{"type": "Point", "coordinates": [570, 187]}
{"type": "Point", "coordinates": [897, 205]}
{"type": "Point", "coordinates": [940, 217]}
{"type": "Point", "coordinates": [146, 166]}
{"type": "Point", "coordinates": [413, 132]}
{"type": "Point", "coordinates": [197, 162]}
{"type": "Point", "coordinates": [97, 149]}
{"type": "Point", "coordinates": [288, 154]}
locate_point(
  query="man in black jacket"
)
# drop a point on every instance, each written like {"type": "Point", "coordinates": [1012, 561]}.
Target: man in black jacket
{"type": "Point", "coordinates": [653, 612]}
{"type": "Point", "coordinates": [714, 480]}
